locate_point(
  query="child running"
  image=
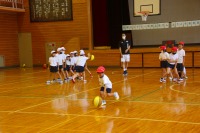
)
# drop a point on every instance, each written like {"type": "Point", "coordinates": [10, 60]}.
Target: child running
{"type": "Point", "coordinates": [106, 85]}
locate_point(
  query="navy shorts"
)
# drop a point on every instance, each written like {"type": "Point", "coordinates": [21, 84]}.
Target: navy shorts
{"type": "Point", "coordinates": [171, 66]}
{"type": "Point", "coordinates": [53, 69]}
{"type": "Point", "coordinates": [179, 66]}
{"type": "Point", "coordinates": [79, 69]}
{"type": "Point", "coordinates": [163, 64]}
{"type": "Point", "coordinates": [60, 66]}
{"type": "Point", "coordinates": [67, 68]}
{"type": "Point", "coordinates": [108, 90]}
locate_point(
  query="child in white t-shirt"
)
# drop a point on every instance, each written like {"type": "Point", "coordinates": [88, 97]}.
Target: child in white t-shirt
{"type": "Point", "coordinates": [61, 60]}
{"type": "Point", "coordinates": [106, 85]}
{"type": "Point", "coordinates": [53, 63]}
{"type": "Point", "coordinates": [163, 57]}
{"type": "Point", "coordinates": [172, 63]}
{"type": "Point", "coordinates": [181, 60]}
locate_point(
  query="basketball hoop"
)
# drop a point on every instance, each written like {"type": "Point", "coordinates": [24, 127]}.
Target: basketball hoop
{"type": "Point", "coordinates": [144, 15]}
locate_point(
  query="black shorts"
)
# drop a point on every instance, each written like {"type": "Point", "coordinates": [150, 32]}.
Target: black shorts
{"type": "Point", "coordinates": [171, 66]}
{"type": "Point", "coordinates": [163, 64]}
{"type": "Point", "coordinates": [179, 66]}
{"type": "Point", "coordinates": [108, 90]}
{"type": "Point", "coordinates": [53, 69]}
{"type": "Point", "coordinates": [60, 66]}
{"type": "Point", "coordinates": [67, 68]}
{"type": "Point", "coordinates": [79, 69]}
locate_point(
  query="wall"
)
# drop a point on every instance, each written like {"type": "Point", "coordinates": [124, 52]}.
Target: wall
{"type": "Point", "coordinates": [74, 32]}
{"type": "Point", "coordinates": [9, 38]}
{"type": "Point", "coordinates": [171, 11]}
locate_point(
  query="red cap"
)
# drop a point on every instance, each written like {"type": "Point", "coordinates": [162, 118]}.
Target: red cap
{"type": "Point", "coordinates": [181, 43]}
{"type": "Point", "coordinates": [163, 47]}
{"type": "Point", "coordinates": [174, 48]}
{"type": "Point", "coordinates": [101, 69]}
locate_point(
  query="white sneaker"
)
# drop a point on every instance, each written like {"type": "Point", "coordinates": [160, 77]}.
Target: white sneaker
{"type": "Point", "coordinates": [170, 78]}
{"type": "Point", "coordinates": [61, 82]}
{"type": "Point", "coordinates": [48, 82]}
{"type": "Point", "coordinates": [103, 102]}
{"type": "Point", "coordinates": [180, 79]}
{"type": "Point", "coordinates": [161, 80]}
{"type": "Point", "coordinates": [116, 95]}
{"type": "Point", "coordinates": [174, 79]}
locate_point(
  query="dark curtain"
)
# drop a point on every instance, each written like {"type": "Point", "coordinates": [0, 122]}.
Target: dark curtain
{"type": "Point", "coordinates": [108, 18]}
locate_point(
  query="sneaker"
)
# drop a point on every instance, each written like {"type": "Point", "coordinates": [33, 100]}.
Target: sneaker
{"type": "Point", "coordinates": [48, 82]}
{"type": "Point", "coordinates": [181, 79]}
{"type": "Point", "coordinates": [175, 79]}
{"type": "Point", "coordinates": [161, 80]}
{"type": "Point", "coordinates": [116, 95]}
{"type": "Point", "coordinates": [103, 102]}
{"type": "Point", "coordinates": [61, 82]}
{"type": "Point", "coordinates": [170, 78]}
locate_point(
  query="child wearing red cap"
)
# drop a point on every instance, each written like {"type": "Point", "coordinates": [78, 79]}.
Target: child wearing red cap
{"type": "Point", "coordinates": [181, 59]}
{"type": "Point", "coordinates": [163, 57]}
{"type": "Point", "coordinates": [172, 63]}
{"type": "Point", "coordinates": [106, 85]}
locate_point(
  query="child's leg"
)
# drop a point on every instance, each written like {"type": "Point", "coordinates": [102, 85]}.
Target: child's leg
{"type": "Point", "coordinates": [115, 94]}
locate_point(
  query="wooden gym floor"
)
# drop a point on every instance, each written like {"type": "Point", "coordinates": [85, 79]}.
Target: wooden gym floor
{"type": "Point", "coordinates": [28, 105]}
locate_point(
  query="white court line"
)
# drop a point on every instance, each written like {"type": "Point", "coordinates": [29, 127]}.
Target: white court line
{"type": "Point", "coordinates": [171, 87]}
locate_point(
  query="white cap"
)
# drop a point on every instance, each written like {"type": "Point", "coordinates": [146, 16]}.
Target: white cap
{"type": "Point", "coordinates": [67, 55]}
{"type": "Point", "coordinates": [71, 52]}
{"type": "Point", "coordinates": [58, 49]}
{"type": "Point", "coordinates": [82, 52]}
{"type": "Point", "coordinates": [53, 51]}
{"type": "Point", "coordinates": [75, 52]}
{"type": "Point", "coordinates": [63, 48]}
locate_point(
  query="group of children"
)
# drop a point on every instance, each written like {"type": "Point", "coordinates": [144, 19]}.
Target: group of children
{"type": "Point", "coordinates": [172, 64]}
{"type": "Point", "coordinates": [62, 64]}
{"type": "Point", "coordinates": [67, 66]}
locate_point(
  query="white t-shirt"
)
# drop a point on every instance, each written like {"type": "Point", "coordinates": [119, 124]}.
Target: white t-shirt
{"type": "Point", "coordinates": [81, 60]}
{"type": "Point", "coordinates": [105, 81]}
{"type": "Point", "coordinates": [163, 56]}
{"type": "Point", "coordinates": [75, 60]}
{"type": "Point", "coordinates": [72, 60]}
{"type": "Point", "coordinates": [173, 58]}
{"type": "Point", "coordinates": [60, 59]}
{"type": "Point", "coordinates": [68, 62]}
{"type": "Point", "coordinates": [181, 54]}
{"type": "Point", "coordinates": [53, 61]}
{"type": "Point", "coordinates": [64, 57]}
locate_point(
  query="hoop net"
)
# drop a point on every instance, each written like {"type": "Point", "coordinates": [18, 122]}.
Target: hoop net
{"type": "Point", "coordinates": [144, 15]}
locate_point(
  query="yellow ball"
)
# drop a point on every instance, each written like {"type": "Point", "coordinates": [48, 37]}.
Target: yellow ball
{"type": "Point", "coordinates": [23, 65]}
{"type": "Point", "coordinates": [92, 57]}
{"type": "Point", "coordinates": [97, 101]}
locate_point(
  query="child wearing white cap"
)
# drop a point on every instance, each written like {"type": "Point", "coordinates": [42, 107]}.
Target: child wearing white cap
{"type": "Point", "coordinates": [80, 63]}
{"type": "Point", "coordinates": [61, 60]}
{"type": "Point", "coordinates": [53, 61]}
{"type": "Point", "coordinates": [67, 66]}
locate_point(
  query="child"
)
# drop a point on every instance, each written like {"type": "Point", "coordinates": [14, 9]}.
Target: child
{"type": "Point", "coordinates": [53, 61]}
{"type": "Point", "coordinates": [172, 63]}
{"type": "Point", "coordinates": [67, 66]}
{"type": "Point", "coordinates": [106, 85]}
{"type": "Point", "coordinates": [163, 57]}
{"type": "Point", "coordinates": [181, 60]}
{"type": "Point", "coordinates": [80, 63]}
{"type": "Point", "coordinates": [61, 60]}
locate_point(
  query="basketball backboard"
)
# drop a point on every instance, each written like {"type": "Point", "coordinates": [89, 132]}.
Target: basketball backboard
{"type": "Point", "coordinates": [153, 6]}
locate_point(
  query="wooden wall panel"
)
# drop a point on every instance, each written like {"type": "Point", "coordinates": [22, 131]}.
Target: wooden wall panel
{"type": "Point", "coordinates": [62, 32]}
{"type": "Point", "coordinates": [136, 60]}
{"type": "Point", "coordinates": [196, 59]}
{"type": "Point", "coordinates": [9, 38]}
{"type": "Point", "coordinates": [188, 59]}
{"type": "Point", "coordinates": [151, 60]}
